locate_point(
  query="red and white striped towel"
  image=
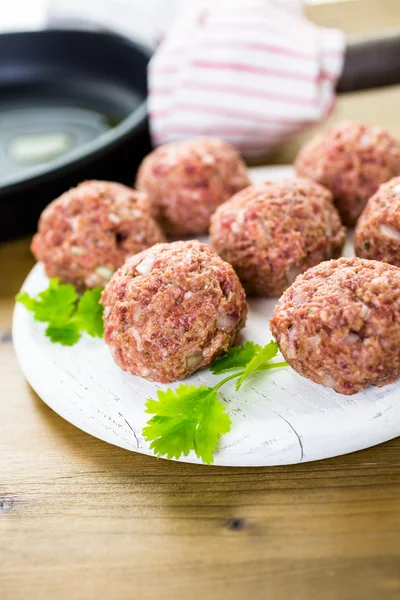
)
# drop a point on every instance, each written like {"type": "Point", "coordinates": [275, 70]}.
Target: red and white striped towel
{"type": "Point", "coordinates": [252, 72]}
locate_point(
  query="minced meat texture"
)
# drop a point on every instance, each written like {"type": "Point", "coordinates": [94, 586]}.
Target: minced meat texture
{"type": "Point", "coordinates": [273, 231]}
{"type": "Point", "coordinates": [377, 233]}
{"type": "Point", "coordinates": [352, 161]}
{"type": "Point", "coordinates": [88, 232]}
{"type": "Point", "coordinates": [339, 324]}
{"type": "Point", "coordinates": [188, 180]}
{"type": "Point", "coordinates": [171, 310]}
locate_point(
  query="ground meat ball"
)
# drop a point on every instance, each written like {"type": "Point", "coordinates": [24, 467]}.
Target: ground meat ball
{"type": "Point", "coordinates": [88, 232]}
{"type": "Point", "coordinates": [339, 324]}
{"type": "Point", "coordinates": [378, 229]}
{"type": "Point", "coordinates": [171, 310]}
{"type": "Point", "coordinates": [352, 161]}
{"type": "Point", "coordinates": [273, 231]}
{"type": "Point", "coordinates": [187, 181]}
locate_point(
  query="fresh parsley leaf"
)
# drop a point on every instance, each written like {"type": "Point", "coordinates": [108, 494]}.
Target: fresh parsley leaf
{"type": "Point", "coordinates": [66, 334]}
{"type": "Point", "coordinates": [55, 303]}
{"type": "Point", "coordinates": [66, 315]}
{"type": "Point", "coordinates": [259, 360]}
{"type": "Point", "coordinates": [89, 314]}
{"type": "Point", "coordinates": [187, 418]}
{"type": "Point", "coordinates": [214, 422]}
{"type": "Point", "coordinates": [192, 418]}
{"type": "Point", "coordinates": [25, 299]}
{"type": "Point", "coordinates": [235, 358]}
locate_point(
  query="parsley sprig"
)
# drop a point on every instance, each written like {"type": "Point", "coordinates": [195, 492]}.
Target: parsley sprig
{"type": "Point", "coordinates": [67, 314]}
{"type": "Point", "coordinates": [193, 418]}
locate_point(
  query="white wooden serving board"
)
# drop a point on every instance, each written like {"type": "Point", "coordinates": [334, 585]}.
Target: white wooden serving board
{"type": "Point", "coordinates": [277, 419]}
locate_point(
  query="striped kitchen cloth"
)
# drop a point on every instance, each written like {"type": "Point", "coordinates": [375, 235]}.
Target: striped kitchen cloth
{"type": "Point", "coordinates": [252, 72]}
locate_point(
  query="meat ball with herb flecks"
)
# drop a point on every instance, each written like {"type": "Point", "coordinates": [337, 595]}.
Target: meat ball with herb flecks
{"type": "Point", "coordinates": [273, 231]}
{"type": "Point", "coordinates": [352, 161]}
{"type": "Point", "coordinates": [377, 233]}
{"type": "Point", "coordinates": [172, 309]}
{"type": "Point", "coordinates": [89, 231]}
{"type": "Point", "coordinates": [339, 324]}
{"type": "Point", "coordinates": [188, 180]}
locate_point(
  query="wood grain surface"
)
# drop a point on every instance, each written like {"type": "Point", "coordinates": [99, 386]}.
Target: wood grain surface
{"type": "Point", "coordinates": [80, 519]}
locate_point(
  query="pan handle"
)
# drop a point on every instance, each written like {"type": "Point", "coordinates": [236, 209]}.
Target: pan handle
{"type": "Point", "coordinates": [371, 63]}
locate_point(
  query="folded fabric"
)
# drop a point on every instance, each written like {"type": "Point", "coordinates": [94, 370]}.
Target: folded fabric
{"type": "Point", "coordinates": [252, 72]}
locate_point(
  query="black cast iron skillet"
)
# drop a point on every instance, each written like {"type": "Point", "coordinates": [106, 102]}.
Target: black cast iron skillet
{"type": "Point", "coordinates": [72, 107]}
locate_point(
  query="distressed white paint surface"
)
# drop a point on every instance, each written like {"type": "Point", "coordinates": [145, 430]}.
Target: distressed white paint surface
{"type": "Point", "coordinates": [276, 419]}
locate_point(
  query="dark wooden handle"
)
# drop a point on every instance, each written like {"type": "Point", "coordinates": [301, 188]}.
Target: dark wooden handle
{"type": "Point", "coordinates": [371, 63]}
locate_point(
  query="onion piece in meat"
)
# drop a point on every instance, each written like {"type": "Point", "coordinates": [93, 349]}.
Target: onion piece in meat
{"type": "Point", "coordinates": [226, 322]}
{"type": "Point", "coordinates": [78, 250]}
{"type": "Point", "coordinates": [314, 340]}
{"type": "Point", "coordinates": [194, 359]}
{"type": "Point", "coordinates": [364, 310]}
{"type": "Point", "coordinates": [390, 232]}
{"type": "Point", "coordinates": [114, 218]}
{"type": "Point", "coordinates": [329, 381]}
{"type": "Point", "coordinates": [291, 348]}
{"type": "Point", "coordinates": [146, 265]}
{"type": "Point", "coordinates": [351, 338]}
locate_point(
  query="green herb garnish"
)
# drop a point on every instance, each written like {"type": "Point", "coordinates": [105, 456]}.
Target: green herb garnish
{"type": "Point", "coordinates": [66, 313]}
{"type": "Point", "coordinates": [367, 245]}
{"type": "Point", "coordinates": [193, 418]}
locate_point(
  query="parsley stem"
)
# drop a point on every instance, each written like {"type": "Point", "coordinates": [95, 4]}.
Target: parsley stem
{"type": "Point", "coordinates": [275, 365]}
{"type": "Point", "coordinates": [233, 376]}
{"type": "Point", "coordinates": [240, 373]}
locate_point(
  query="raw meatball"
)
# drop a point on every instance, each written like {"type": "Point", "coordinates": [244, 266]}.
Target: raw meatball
{"type": "Point", "coordinates": [187, 181]}
{"type": "Point", "coordinates": [88, 232]}
{"type": "Point", "coordinates": [171, 310]}
{"type": "Point", "coordinates": [352, 161]}
{"type": "Point", "coordinates": [273, 231]}
{"type": "Point", "coordinates": [339, 324]}
{"type": "Point", "coordinates": [378, 229]}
